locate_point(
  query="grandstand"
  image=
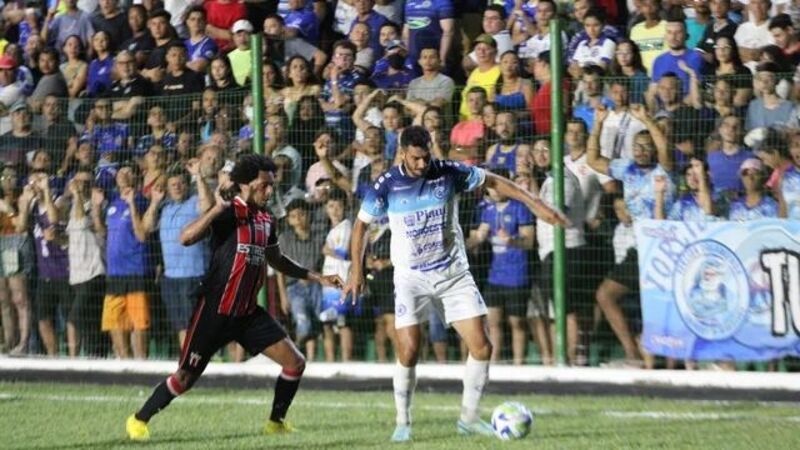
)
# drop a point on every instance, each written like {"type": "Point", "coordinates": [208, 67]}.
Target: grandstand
{"type": "Point", "coordinates": [668, 132]}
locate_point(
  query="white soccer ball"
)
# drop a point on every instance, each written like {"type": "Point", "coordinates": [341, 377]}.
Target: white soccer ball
{"type": "Point", "coordinates": [512, 420]}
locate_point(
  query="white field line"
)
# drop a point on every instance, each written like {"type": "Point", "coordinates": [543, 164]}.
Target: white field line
{"type": "Point", "coordinates": [615, 414]}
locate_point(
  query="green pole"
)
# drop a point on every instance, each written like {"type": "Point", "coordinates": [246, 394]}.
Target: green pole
{"type": "Point", "coordinates": [557, 162]}
{"type": "Point", "coordinates": [257, 94]}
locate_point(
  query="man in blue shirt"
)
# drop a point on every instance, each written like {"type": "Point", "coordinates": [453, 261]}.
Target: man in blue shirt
{"type": "Point", "coordinates": [725, 162]}
{"type": "Point", "coordinates": [429, 22]}
{"type": "Point", "coordinates": [509, 226]}
{"type": "Point", "coordinates": [199, 46]}
{"type": "Point", "coordinates": [184, 266]}
{"type": "Point", "coordinates": [431, 270]}
{"type": "Point", "coordinates": [337, 94]}
{"type": "Point", "coordinates": [126, 307]}
{"type": "Point", "coordinates": [373, 20]}
{"type": "Point", "coordinates": [301, 22]}
{"type": "Point", "coordinates": [669, 61]}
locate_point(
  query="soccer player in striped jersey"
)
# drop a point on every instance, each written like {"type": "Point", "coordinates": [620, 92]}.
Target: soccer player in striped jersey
{"type": "Point", "coordinates": [431, 270]}
{"type": "Point", "coordinates": [243, 240]}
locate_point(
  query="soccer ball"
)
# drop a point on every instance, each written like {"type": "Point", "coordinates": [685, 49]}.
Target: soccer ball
{"type": "Point", "coordinates": [512, 420]}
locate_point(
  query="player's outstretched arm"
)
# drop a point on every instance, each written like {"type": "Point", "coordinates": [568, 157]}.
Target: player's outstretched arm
{"type": "Point", "coordinates": [288, 267]}
{"type": "Point", "coordinates": [197, 230]}
{"type": "Point", "coordinates": [355, 282]}
{"type": "Point", "coordinates": [508, 188]}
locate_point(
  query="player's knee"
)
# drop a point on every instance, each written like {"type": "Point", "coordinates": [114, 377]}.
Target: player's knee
{"type": "Point", "coordinates": [483, 351]}
{"type": "Point", "coordinates": [294, 370]}
{"type": "Point", "coordinates": [180, 382]}
{"type": "Point", "coordinates": [407, 356]}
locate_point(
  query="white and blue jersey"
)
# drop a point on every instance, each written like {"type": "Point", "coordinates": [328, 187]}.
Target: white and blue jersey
{"type": "Point", "coordinates": [741, 212]}
{"type": "Point", "coordinates": [790, 189]}
{"type": "Point", "coordinates": [687, 209]}
{"type": "Point", "coordinates": [637, 182]}
{"type": "Point", "coordinates": [423, 214]}
{"type": "Point", "coordinates": [205, 48]}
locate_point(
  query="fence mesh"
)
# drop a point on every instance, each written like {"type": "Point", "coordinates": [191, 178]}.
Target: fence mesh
{"type": "Point", "coordinates": [73, 246]}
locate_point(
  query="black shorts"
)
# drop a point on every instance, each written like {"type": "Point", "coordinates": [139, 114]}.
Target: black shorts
{"type": "Point", "coordinates": [89, 301]}
{"type": "Point", "coordinates": [52, 293]}
{"type": "Point", "coordinates": [514, 301]}
{"type": "Point", "coordinates": [626, 273]}
{"type": "Point", "coordinates": [580, 283]}
{"type": "Point", "coordinates": [208, 331]}
{"type": "Point", "coordinates": [381, 291]}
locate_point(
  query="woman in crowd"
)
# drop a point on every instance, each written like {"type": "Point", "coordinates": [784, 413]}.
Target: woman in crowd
{"type": "Point", "coordinates": [100, 69]}
{"type": "Point", "coordinates": [754, 204]}
{"type": "Point", "coordinates": [514, 93]}
{"type": "Point", "coordinates": [789, 187]}
{"type": "Point", "coordinates": [154, 165]}
{"type": "Point", "coordinates": [306, 120]}
{"type": "Point", "coordinates": [628, 64]}
{"type": "Point", "coordinates": [300, 82]}
{"type": "Point", "coordinates": [74, 69]}
{"type": "Point", "coordinates": [728, 66]}
{"type": "Point", "coordinates": [17, 263]}
{"type": "Point", "coordinates": [220, 74]}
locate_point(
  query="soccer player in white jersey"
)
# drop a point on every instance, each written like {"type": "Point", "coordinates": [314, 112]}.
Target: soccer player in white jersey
{"type": "Point", "coordinates": [431, 269]}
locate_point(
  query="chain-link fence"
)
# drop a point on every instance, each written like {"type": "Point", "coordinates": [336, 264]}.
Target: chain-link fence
{"type": "Point", "coordinates": [96, 192]}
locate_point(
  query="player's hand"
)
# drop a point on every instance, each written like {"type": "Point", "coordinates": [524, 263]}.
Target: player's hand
{"type": "Point", "coordinates": [551, 215]}
{"type": "Point", "coordinates": [354, 287]}
{"type": "Point", "coordinates": [128, 195]}
{"type": "Point", "coordinates": [157, 194]}
{"type": "Point", "coordinates": [334, 281]}
{"type": "Point", "coordinates": [600, 114]}
{"type": "Point", "coordinates": [638, 111]}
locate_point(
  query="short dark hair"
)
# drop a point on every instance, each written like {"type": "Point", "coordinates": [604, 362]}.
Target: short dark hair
{"type": "Point", "coordinates": [160, 13]}
{"type": "Point", "coordinates": [297, 203]}
{"type": "Point", "coordinates": [597, 13]}
{"type": "Point", "coordinates": [780, 21]}
{"type": "Point", "coordinates": [499, 9]}
{"type": "Point", "coordinates": [248, 166]}
{"type": "Point", "coordinates": [345, 44]}
{"type": "Point", "coordinates": [416, 136]}
{"type": "Point", "coordinates": [177, 170]}
{"type": "Point", "coordinates": [195, 9]}
{"type": "Point", "coordinates": [337, 195]}
{"type": "Point", "coordinates": [275, 16]}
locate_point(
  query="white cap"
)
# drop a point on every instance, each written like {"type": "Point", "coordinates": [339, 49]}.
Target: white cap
{"type": "Point", "coordinates": [241, 25]}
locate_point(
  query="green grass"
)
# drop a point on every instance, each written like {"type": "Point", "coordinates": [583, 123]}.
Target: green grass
{"type": "Point", "coordinates": [92, 416]}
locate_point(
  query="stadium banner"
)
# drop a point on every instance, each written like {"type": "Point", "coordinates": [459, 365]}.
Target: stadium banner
{"type": "Point", "coordinates": [720, 290]}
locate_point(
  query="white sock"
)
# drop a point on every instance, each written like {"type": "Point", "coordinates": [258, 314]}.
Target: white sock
{"type": "Point", "coordinates": [404, 383]}
{"type": "Point", "coordinates": [476, 376]}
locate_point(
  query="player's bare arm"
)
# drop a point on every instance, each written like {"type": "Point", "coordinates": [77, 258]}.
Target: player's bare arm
{"type": "Point", "coordinates": [508, 188]}
{"type": "Point", "coordinates": [355, 282]}
{"type": "Point", "coordinates": [288, 267]}
{"type": "Point", "coordinates": [196, 230]}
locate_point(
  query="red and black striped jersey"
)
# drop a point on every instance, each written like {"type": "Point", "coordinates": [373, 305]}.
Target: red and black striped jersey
{"type": "Point", "coordinates": [239, 237]}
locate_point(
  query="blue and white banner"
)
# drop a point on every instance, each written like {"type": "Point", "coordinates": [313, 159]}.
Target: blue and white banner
{"type": "Point", "coordinates": [720, 290]}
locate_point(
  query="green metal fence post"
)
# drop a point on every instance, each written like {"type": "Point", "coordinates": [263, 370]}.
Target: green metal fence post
{"type": "Point", "coordinates": [257, 94]}
{"type": "Point", "coordinates": [557, 162]}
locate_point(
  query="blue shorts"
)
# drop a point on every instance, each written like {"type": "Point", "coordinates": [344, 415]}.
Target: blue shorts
{"type": "Point", "coordinates": [180, 296]}
{"type": "Point", "coordinates": [305, 300]}
{"type": "Point", "coordinates": [335, 311]}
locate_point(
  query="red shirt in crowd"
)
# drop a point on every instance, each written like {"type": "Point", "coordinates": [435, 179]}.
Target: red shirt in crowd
{"type": "Point", "coordinates": [222, 14]}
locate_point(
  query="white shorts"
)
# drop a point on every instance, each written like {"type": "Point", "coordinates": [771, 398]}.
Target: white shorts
{"type": "Point", "coordinates": [453, 297]}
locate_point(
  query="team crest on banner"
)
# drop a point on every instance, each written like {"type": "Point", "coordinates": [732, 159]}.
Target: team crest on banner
{"type": "Point", "coordinates": [720, 290]}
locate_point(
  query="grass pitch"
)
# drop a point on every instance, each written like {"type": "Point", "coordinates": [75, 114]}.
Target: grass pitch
{"type": "Point", "coordinates": [93, 416]}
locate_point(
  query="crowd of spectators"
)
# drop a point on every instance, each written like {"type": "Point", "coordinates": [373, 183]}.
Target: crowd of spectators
{"type": "Point", "coordinates": [119, 119]}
